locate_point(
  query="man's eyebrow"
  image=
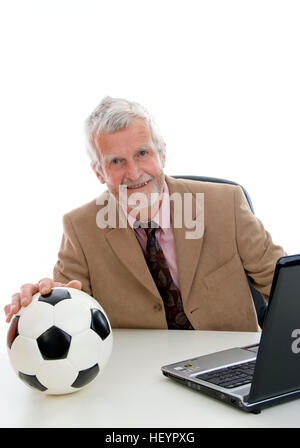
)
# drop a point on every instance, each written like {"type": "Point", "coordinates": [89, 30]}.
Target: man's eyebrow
{"type": "Point", "coordinates": [109, 157]}
{"type": "Point", "coordinates": [144, 147]}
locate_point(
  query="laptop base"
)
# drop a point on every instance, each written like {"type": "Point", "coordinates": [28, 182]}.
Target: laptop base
{"type": "Point", "coordinates": [254, 408]}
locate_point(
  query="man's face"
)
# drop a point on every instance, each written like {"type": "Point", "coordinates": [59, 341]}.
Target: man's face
{"type": "Point", "coordinates": [129, 158]}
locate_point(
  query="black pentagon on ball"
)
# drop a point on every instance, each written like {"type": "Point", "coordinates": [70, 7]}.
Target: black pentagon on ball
{"type": "Point", "coordinates": [54, 343]}
{"type": "Point", "coordinates": [13, 331]}
{"type": "Point", "coordinates": [99, 323]}
{"type": "Point", "coordinates": [86, 376]}
{"type": "Point", "coordinates": [32, 381]}
{"type": "Point", "coordinates": [55, 296]}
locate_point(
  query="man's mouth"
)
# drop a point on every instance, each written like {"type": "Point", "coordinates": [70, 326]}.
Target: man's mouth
{"type": "Point", "coordinates": [137, 186]}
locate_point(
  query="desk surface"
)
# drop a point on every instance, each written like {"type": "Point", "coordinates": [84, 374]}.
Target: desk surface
{"type": "Point", "coordinates": [133, 393]}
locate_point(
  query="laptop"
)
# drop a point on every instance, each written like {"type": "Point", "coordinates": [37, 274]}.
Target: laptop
{"type": "Point", "coordinates": [254, 377]}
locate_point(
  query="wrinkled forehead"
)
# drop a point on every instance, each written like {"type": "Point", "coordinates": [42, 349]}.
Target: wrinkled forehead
{"type": "Point", "coordinates": [136, 136]}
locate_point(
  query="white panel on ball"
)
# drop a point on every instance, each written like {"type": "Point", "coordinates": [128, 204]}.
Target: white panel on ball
{"type": "Point", "coordinates": [29, 325]}
{"type": "Point", "coordinates": [84, 298]}
{"type": "Point", "coordinates": [97, 351]}
{"type": "Point", "coordinates": [25, 355]}
{"type": "Point", "coordinates": [50, 371]}
{"type": "Point", "coordinates": [72, 316]}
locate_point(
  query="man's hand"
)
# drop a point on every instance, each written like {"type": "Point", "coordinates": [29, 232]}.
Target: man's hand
{"type": "Point", "coordinates": [24, 297]}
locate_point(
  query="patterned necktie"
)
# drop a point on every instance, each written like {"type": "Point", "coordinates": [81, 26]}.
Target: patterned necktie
{"type": "Point", "coordinates": [175, 315]}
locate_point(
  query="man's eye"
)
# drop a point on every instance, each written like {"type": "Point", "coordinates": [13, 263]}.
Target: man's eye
{"type": "Point", "coordinates": [143, 153]}
{"type": "Point", "coordinates": [115, 161]}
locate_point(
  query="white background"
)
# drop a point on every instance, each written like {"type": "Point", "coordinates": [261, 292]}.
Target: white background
{"type": "Point", "coordinates": [220, 77]}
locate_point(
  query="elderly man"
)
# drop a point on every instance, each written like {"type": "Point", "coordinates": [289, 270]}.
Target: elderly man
{"type": "Point", "coordinates": [133, 250]}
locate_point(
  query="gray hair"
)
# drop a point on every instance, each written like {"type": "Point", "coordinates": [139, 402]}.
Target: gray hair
{"type": "Point", "coordinates": [114, 114]}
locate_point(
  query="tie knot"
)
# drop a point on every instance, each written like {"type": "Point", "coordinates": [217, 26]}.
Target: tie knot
{"type": "Point", "coordinates": [148, 225]}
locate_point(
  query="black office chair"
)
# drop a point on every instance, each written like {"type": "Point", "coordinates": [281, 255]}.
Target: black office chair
{"type": "Point", "coordinates": [259, 302]}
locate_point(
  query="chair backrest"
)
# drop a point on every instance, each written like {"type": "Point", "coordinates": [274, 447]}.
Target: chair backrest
{"type": "Point", "coordinates": [259, 302]}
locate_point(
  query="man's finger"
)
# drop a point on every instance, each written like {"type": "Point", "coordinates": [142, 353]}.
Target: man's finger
{"type": "Point", "coordinates": [13, 307]}
{"type": "Point", "coordinates": [15, 299]}
{"type": "Point", "coordinates": [9, 311]}
{"type": "Point", "coordinates": [45, 285]}
{"type": "Point", "coordinates": [26, 293]}
{"type": "Point", "coordinates": [75, 284]}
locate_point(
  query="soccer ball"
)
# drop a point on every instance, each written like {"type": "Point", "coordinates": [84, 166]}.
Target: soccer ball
{"type": "Point", "coordinates": [60, 342]}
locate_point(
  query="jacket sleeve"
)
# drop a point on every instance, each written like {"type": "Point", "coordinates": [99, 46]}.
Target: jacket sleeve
{"type": "Point", "coordinates": [71, 263]}
{"type": "Point", "coordinates": [256, 249]}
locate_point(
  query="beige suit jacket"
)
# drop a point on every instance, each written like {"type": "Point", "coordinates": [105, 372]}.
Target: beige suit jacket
{"type": "Point", "coordinates": [215, 293]}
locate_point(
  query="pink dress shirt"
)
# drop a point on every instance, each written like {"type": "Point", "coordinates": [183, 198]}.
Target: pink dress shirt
{"type": "Point", "coordinates": [164, 234]}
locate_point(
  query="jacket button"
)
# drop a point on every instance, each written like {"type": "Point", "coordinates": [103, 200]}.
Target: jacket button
{"type": "Point", "coordinates": [157, 307]}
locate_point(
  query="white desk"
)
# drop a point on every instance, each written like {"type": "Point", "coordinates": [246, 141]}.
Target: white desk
{"type": "Point", "coordinates": [133, 393]}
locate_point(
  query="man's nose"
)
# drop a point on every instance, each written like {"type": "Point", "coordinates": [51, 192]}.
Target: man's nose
{"type": "Point", "coordinates": [133, 171]}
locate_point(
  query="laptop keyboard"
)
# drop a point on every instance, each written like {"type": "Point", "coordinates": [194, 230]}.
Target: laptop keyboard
{"type": "Point", "coordinates": [230, 377]}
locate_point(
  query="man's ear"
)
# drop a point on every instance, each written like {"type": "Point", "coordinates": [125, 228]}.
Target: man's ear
{"type": "Point", "coordinates": [96, 168]}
